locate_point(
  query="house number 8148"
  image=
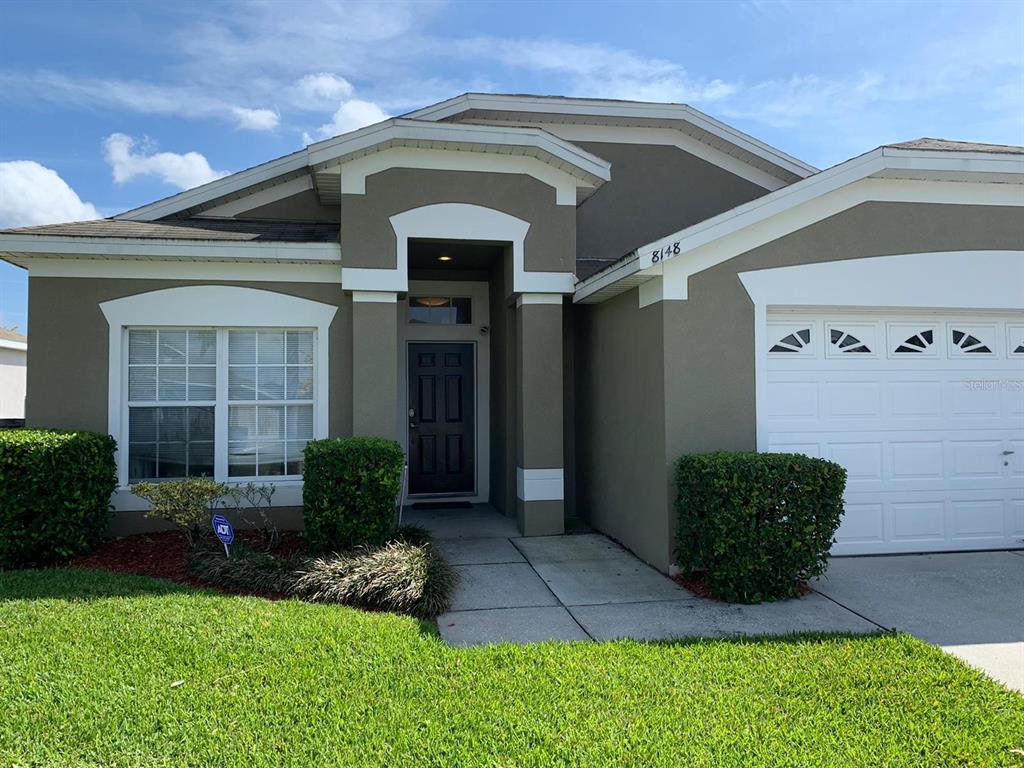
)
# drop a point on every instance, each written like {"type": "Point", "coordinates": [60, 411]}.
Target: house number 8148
{"type": "Point", "coordinates": [669, 250]}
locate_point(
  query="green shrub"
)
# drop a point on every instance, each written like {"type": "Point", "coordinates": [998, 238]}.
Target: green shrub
{"type": "Point", "coordinates": [406, 578]}
{"type": "Point", "coordinates": [247, 569]}
{"type": "Point", "coordinates": [54, 494]}
{"type": "Point", "coordinates": [185, 503]}
{"type": "Point", "coordinates": [349, 493]}
{"type": "Point", "coordinates": [757, 524]}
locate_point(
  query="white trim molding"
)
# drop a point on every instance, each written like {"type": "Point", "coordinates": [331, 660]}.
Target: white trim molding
{"type": "Point", "coordinates": [216, 306]}
{"type": "Point", "coordinates": [540, 484]}
{"type": "Point", "coordinates": [455, 221]}
{"type": "Point", "coordinates": [162, 269]}
{"type": "Point", "coordinates": [355, 172]}
{"type": "Point", "coordinates": [538, 298]}
{"type": "Point", "coordinates": [374, 297]}
{"type": "Point", "coordinates": [946, 280]}
{"type": "Point", "coordinates": [20, 346]}
{"type": "Point", "coordinates": [122, 248]}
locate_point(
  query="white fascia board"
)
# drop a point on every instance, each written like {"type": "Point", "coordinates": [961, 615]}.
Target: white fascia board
{"type": "Point", "coordinates": [20, 346]}
{"type": "Point", "coordinates": [164, 269]}
{"type": "Point", "coordinates": [15, 246]}
{"type": "Point", "coordinates": [671, 137]}
{"type": "Point", "coordinates": [204, 193]}
{"type": "Point", "coordinates": [589, 167]}
{"type": "Point", "coordinates": [614, 109]}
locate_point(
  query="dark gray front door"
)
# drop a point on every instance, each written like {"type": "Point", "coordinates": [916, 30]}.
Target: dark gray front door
{"type": "Point", "coordinates": [441, 409]}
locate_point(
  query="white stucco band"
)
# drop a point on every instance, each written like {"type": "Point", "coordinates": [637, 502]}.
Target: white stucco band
{"type": "Point", "coordinates": [209, 306]}
{"type": "Point", "coordinates": [540, 484]}
{"type": "Point", "coordinates": [355, 172]}
{"type": "Point", "coordinates": [456, 221]}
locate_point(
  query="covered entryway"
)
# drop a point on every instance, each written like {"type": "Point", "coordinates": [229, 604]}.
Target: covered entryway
{"type": "Point", "coordinates": [925, 409]}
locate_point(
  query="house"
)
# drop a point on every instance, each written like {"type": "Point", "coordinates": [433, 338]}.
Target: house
{"type": "Point", "coordinates": [13, 349]}
{"type": "Point", "coordinates": [547, 300]}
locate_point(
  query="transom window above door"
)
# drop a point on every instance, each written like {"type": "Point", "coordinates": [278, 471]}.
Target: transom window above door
{"type": "Point", "coordinates": [440, 310]}
{"type": "Point", "coordinates": [222, 403]}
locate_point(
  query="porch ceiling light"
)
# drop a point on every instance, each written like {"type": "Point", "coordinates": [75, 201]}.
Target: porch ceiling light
{"type": "Point", "coordinates": [444, 258]}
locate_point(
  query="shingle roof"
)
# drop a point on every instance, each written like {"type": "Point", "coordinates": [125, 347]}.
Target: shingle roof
{"type": "Point", "coordinates": [946, 145]}
{"type": "Point", "coordinates": [253, 230]}
{"type": "Point", "coordinates": [6, 335]}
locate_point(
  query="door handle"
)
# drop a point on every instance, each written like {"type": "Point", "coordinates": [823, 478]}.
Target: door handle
{"type": "Point", "coordinates": [1008, 453]}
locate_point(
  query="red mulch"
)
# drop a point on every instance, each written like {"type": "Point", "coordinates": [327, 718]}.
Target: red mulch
{"type": "Point", "coordinates": [697, 583]}
{"type": "Point", "coordinates": [164, 555]}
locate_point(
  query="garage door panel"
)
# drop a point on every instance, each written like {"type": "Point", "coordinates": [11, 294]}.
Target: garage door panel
{"type": "Point", "coordinates": [978, 519]}
{"type": "Point", "coordinates": [915, 399]}
{"type": "Point", "coordinates": [918, 521]}
{"type": "Point", "coordinates": [863, 461]}
{"type": "Point", "coordinates": [932, 437]}
{"type": "Point", "coordinates": [853, 399]}
{"type": "Point", "coordinates": [916, 460]}
{"type": "Point", "coordinates": [862, 524]}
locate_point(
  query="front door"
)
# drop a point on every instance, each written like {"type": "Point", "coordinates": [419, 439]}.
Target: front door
{"type": "Point", "coordinates": [441, 411]}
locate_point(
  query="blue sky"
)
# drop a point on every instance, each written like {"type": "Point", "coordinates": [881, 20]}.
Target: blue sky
{"type": "Point", "coordinates": [105, 106]}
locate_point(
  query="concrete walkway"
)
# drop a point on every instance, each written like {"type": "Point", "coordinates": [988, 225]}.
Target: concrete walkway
{"type": "Point", "coordinates": [586, 587]}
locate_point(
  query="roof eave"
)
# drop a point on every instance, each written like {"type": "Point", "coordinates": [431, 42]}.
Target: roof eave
{"type": "Point", "coordinates": [883, 162]}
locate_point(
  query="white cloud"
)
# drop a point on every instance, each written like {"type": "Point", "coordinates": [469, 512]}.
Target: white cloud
{"type": "Point", "coordinates": [147, 98]}
{"type": "Point", "coordinates": [182, 170]}
{"type": "Point", "coordinates": [321, 91]}
{"type": "Point", "coordinates": [31, 193]}
{"type": "Point", "coordinates": [255, 119]}
{"type": "Point", "coordinates": [351, 116]}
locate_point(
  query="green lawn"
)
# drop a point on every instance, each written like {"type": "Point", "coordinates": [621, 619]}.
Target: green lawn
{"type": "Point", "coordinates": [89, 662]}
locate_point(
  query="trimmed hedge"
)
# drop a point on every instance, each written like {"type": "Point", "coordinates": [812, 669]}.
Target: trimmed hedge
{"type": "Point", "coordinates": [54, 494]}
{"type": "Point", "coordinates": [349, 492]}
{"type": "Point", "coordinates": [757, 524]}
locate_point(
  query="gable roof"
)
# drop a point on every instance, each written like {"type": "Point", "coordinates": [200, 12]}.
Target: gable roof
{"type": "Point", "coordinates": [7, 335]}
{"type": "Point", "coordinates": [590, 170]}
{"type": "Point", "coordinates": [946, 145]}
{"type": "Point", "coordinates": [920, 160]}
{"type": "Point", "coordinates": [256, 230]}
{"type": "Point", "coordinates": [561, 109]}
{"type": "Point", "coordinates": [245, 230]}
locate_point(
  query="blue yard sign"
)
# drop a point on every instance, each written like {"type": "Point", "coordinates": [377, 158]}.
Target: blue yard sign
{"type": "Point", "coordinates": [222, 527]}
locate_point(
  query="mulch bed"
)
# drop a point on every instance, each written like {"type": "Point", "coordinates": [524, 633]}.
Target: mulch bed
{"type": "Point", "coordinates": [164, 555]}
{"type": "Point", "coordinates": [697, 583]}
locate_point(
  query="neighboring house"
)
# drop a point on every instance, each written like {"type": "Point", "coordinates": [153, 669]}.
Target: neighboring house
{"type": "Point", "coordinates": [547, 300]}
{"type": "Point", "coordinates": [13, 350]}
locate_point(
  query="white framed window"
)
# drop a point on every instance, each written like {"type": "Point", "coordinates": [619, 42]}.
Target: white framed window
{"type": "Point", "coordinates": [225, 403]}
{"type": "Point", "coordinates": [176, 333]}
{"type": "Point", "coordinates": [270, 401]}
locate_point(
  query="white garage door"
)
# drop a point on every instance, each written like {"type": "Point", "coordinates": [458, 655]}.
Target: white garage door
{"type": "Point", "coordinates": [925, 411]}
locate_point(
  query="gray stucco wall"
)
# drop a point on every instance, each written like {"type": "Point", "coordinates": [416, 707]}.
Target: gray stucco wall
{"type": "Point", "coordinates": [368, 240]}
{"type": "Point", "coordinates": [654, 191]}
{"type": "Point", "coordinates": [503, 387]}
{"type": "Point", "coordinates": [67, 363]}
{"type": "Point", "coordinates": [620, 424]}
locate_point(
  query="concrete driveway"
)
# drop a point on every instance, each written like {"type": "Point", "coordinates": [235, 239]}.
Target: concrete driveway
{"type": "Point", "coordinates": [970, 604]}
{"type": "Point", "coordinates": [586, 587]}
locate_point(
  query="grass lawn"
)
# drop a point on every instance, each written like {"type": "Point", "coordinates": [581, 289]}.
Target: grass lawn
{"type": "Point", "coordinates": [89, 663]}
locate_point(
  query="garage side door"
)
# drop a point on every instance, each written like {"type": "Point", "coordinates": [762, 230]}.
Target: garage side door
{"type": "Point", "coordinates": [926, 412]}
